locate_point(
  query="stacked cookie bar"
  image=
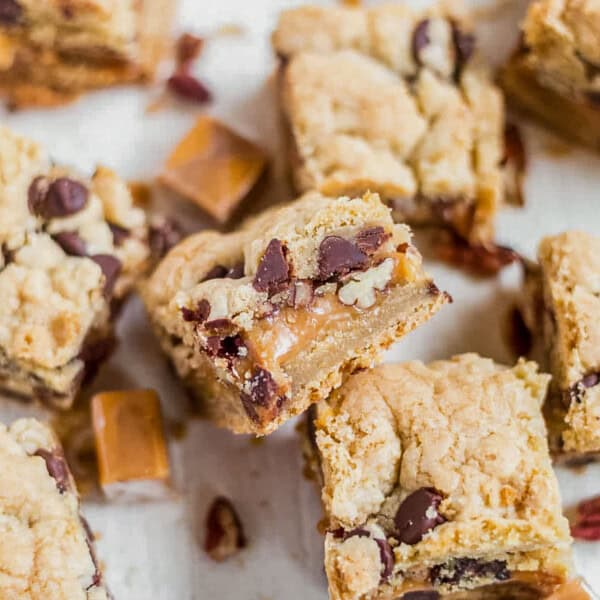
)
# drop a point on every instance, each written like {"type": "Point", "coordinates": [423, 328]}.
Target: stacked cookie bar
{"type": "Point", "coordinates": [53, 50]}
{"type": "Point", "coordinates": [397, 102]}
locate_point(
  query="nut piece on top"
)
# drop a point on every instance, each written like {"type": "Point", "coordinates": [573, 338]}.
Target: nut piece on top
{"type": "Point", "coordinates": [562, 309]}
{"type": "Point", "coordinates": [555, 70]}
{"type": "Point", "coordinates": [133, 463]}
{"type": "Point", "coordinates": [52, 51]}
{"type": "Point", "coordinates": [47, 548]}
{"type": "Point", "coordinates": [436, 479]}
{"type": "Point", "coordinates": [71, 248]}
{"type": "Point", "coordinates": [214, 167]}
{"type": "Point", "coordinates": [396, 102]}
{"type": "Point", "coordinates": [262, 322]}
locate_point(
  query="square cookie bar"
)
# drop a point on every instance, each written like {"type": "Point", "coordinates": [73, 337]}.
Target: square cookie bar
{"type": "Point", "coordinates": [264, 321]}
{"type": "Point", "coordinates": [46, 547]}
{"type": "Point", "coordinates": [393, 101]}
{"type": "Point", "coordinates": [555, 71]}
{"type": "Point", "coordinates": [437, 482]}
{"type": "Point", "coordinates": [52, 50]}
{"type": "Point", "coordinates": [70, 250]}
{"type": "Point", "coordinates": [563, 311]}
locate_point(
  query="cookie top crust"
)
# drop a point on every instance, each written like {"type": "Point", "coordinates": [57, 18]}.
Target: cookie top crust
{"type": "Point", "coordinates": [44, 552]}
{"type": "Point", "coordinates": [570, 264]}
{"type": "Point", "coordinates": [561, 43]}
{"type": "Point", "coordinates": [394, 101]}
{"type": "Point", "coordinates": [68, 245]}
{"type": "Point", "coordinates": [468, 429]}
{"type": "Point", "coordinates": [95, 26]}
{"type": "Point", "coordinates": [186, 276]}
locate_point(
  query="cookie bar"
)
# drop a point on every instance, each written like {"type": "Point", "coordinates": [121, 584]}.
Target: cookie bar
{"type": "Point", "coordinates": [133, 463]}
{"type": "Point", "coordinates": [555, 71]}
{"type": "Point", "coordinates": [437, 482]}
{"type": "Point", "coordinates": [396, 102]}
{"type": "Point", "coordinates": [71, 248]}
{"type": "Point", "coordinates": [264, 321]}
{"type": "Point", "coordinates": [563, 311]}
{"type": "Point", "coordinates": [52, 50]}
{"type": "Point", "coordinates": [46, 548]}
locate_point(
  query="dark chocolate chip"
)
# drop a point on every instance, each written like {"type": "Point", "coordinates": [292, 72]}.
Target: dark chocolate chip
{"type": "Point", "coordinates": [420, 39]}
{"type": "Point", "coordinates": [418, 514]}
{"type": "Point", "coordinates": [464, 46]}
{"type": "Point", "coordinates": [71, 243]}
{"type": "Point", "coordinates": [249, 407]}
{"type": "Point", "coordinates": [225, 347]}
{"type": "Point", "coordinates": [217, 272]}
{"type": "Point", "coordinates": [342, 534]}
{"type": "Point", "coordinates": [94, 353]}
{"type": "Point", "coordinates": [591, 380]}
{"type": "Point", "coordinates": [575, 392]}
{"type": "Point", "coordinates": [198, 314]}
{"type": "Point", "coordinates": [56, 467]}
{"type": "Point", "coordinates": [338, 256]}
{"type": "Point", "coordinates": [273, 273]}
{"type": "Point", "coordinates": [63, 197]}
{"type": "Point", "coordinates": [119, 234]}
{"type": "Point", "coordinates": [369, 240]}
{"type": "Point", "coordinates": [186, 86]}
{"type": "Point", "coordinates": [387, 558]}
{"type": "Point", "coordinates": [10, 12]}
{"type": "Point", "coordinates": [224, 532]}
{"type": "Point", "coordinates": [236, 272]}
{"type": "Point", "coordinates": [263, 388]}
{"type": "Point", "coordinates": [421, 595]}
{"type": "Point", "coordinates": [111, 268]}
{"type": "Point", "coordinates": [164, 236]}
{"type": "Point", "coordinates": [188, 49]}
{"type": "Point", "coordinates": [456, 570]}
{"type": "Point", "coordinates": [218, 324]}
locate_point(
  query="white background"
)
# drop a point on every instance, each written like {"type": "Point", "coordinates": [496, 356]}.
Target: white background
{"type": "Point", "coordinates": [153, 551]}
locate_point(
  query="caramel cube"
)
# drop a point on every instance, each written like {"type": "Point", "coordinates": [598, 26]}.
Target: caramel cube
{"type": "Point", "coordinates": [130, 444]}
{"type": "Point", "coordinates": [214, 167]}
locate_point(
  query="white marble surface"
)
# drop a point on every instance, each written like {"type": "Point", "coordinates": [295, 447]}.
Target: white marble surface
{"type": "Point", "coordinates": [153, 551]}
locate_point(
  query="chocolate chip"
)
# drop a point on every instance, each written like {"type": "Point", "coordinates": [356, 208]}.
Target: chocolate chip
{"type": "Point", "coordinates": [338, 256]}
{"type": "Point", "coordinates": [575, 392]}
{"type": "Point", "coordinates": [61, 198]}
{"type": "Point", "coordinates": [188, 48]}
{"type": "Point", "coordinates": [417, 515]}
{"type": "Point", "coordinates": [464, 46]}
{"type": "Point", "coordinates": [225, 347]}
{"type": "Point", "coordinates": [119, 234]}
{"type": "Point", "coordinates": [420, 39]}
{"type": "Point", "coordinates": [71, 243]}
{"type": "Point", "coordinates": [10, 12]}
{"type": "Point", "coordinates": [387, 558]}
{"type": "Point", "coordinates": [111, 268]}
{"type": "Point", "coordinates": [452, 572]}
{"type": "Point", "coordinates": [224, 532]}
{"type": "Point", "coordinates": [218, 324]}
{"type": "Point", "coordinates": [56, 467]}
{"type": "Point", "coordinates": [590, 380]}
{"type": "Point", "coordinates": [217, 272]}
{"type": "Point", "coordinates": [342, 534]}
{"type": "Point", "coordinates": [249, 407]}
{"type": "Point", "coordinates": [273, 273]}
{"type": "Point", "coordinates": [263, 387]}
{"type": "Point", "coordinates": [94, 353]}
{"type": "Point", "coordinates": [163, 236]}
{"type": "Point", "coordinates": [188, 87]}
{"type": "Point", "coordinates": [236, 272]}
{"type": "Point", "coordinates": [198, 314]}
{"type": "Point", "coordinates": [421, 595]}
{"type": "Point", "coordinates": [369, 240]}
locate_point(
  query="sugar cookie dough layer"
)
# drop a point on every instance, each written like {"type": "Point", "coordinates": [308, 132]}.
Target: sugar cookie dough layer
{"type": "Point", "coordinates": [71, 248]}
{"type": "Point", "coordinates": [437, 478]}
{"type": "Point", "coordinates": [563, 308]}
{"type": "Point", "coordinates": [396, 102]}
{"type": "Point", "coordinates": [51, 50]}
{"type": "Point", "coordinates": [264, 321]}
{"type": "Point", "coordinates": [555, 71]}
{"type": "Point", "coordinates": [46, 547]}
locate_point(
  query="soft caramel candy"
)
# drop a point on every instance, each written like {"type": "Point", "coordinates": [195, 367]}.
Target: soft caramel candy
{"type": "Point", "coordinates": [130, 444]}
{"type": "Point", "coordinates": [214, 167]}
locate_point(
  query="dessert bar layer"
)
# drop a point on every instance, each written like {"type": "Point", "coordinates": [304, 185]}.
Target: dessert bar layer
{"type": "Point", "coordinates": [437, 483]}
{"type": "Point", "coordinates": [71, 248]}
{"type": "Point", "coordinates": [397, 102]}
{"type": "Point", "coordinates": [46, 547]}
{"type": "Point", "coordinates": [264, 321]}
